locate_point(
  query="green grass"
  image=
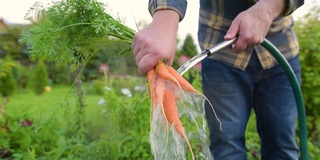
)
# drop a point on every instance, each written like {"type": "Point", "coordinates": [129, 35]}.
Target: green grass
{"type": "Point", "coordinates": [28, 103]}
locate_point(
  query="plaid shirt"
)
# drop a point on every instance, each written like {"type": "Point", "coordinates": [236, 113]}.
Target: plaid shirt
{"type": "Point", "coordinates": [215, 18]}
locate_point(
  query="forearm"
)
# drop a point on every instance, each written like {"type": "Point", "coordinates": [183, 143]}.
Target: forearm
{"type": "Point", "coordinates": [277, 8]}
{"type": "Point", "coordinates": [167, 20]}
{"type": "Point", "coordinates": [273, 8]}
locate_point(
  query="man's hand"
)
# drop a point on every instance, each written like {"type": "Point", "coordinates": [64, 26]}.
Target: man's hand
{"type": "Point", "coordinates": [252, 25]}
{"type": "Point", "coordinates": [157, 41]}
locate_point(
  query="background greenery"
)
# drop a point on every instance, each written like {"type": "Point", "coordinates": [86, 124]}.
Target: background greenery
{"type": "Point", "coordinates": [93, 118]}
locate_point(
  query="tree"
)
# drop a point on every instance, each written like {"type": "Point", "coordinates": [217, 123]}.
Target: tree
{"type": "Point", "coordinates": [188, 47]}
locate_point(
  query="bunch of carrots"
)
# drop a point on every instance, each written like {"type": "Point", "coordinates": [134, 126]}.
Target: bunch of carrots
{"type": "Point", "coordinates": [162, 80]}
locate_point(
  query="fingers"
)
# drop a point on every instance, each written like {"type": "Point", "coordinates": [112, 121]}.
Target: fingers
{"type": "Point", "coordinates": [241, 43]}
{"type": "Point", "coordinates": [147, 62]}
{"type": "Point", "coordinates": [233, 30]}
{"type": "Point", "coordinates": [147, 52]}
{"type": "Point", "coordinates": [246, 41]}
{"type": "Point", "coordinates": [145, 58]}
{"type": "Point", "coordinates": [249, 33]}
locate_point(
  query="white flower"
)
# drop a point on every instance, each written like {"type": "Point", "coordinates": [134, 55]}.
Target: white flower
{"type": "Point", "coordinates": [107, 88]}
{"type": "Point", "coordinates": [126, 91]}
{"type": "Point", "coordinates": [101, 102]}
{"type": "Point", "coordinates": [140, 88]}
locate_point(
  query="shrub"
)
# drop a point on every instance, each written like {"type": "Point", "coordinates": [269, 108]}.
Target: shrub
{"type": "Point", "coordinates": [21, 75]}
{"type": "Point", "coordinates": [8, 84]}
{"type": "Point", "coordinates": [59, 75]}
{"type": "Point", "coordinates": [39, 78]}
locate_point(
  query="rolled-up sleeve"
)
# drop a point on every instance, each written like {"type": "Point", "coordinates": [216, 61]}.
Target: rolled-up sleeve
{"type": "Point", "coordinates": [180, 6]}
{"type": "Point", "coordinates": [291, 6]}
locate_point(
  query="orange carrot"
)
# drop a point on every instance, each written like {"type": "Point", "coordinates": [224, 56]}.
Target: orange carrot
{"type": "Point", "coordinates": [151, 76]}
{"type": "Point", "coordinates": [162, 71]}
{"type": "Point", "coordinates": [159, 91]}
{"type": "Point", "coordinates": [184, 84]}
{"type": "Point", "coordinates": [171, 113]}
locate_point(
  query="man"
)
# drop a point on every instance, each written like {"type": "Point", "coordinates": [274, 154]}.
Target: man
{"type": "Point", "coordinates": [237, 79]}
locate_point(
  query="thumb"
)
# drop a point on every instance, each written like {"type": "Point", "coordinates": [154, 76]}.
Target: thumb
{"type": "Point", "coordinates": [169, 61]}
{"type": "Point", "coordinates": [233, 30]}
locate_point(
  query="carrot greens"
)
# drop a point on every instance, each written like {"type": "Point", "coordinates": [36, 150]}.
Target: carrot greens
{"type": "Point", "coordinates": [68, 31]}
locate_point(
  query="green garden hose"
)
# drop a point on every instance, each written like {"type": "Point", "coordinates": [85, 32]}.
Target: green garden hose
{"type": "Point", "coordinates": [298, 97]}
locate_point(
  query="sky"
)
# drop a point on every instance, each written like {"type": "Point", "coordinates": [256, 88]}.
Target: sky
{"type": "Point", "coordinates": [132, 11]}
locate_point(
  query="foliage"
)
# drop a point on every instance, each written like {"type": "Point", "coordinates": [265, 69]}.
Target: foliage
{"type": "Point", "coordinates": [308, 30]}
{"type": "Point", "coordinates": [59, 75]}
{"type": "Point", "coordinates": [8, 83]}
{"type": "Point", "coordinates": [5, 67]}
{"type": "Point", "coordinates": [253, 145]}
{"type": "Point", "coordinates": [127, 116]}
{"type": "Point", "coordinates": [117, 128]}
{"type": "Point", "coordinates": [70, 30]}
{"type": "Point", "coordinates": [97, 87]}
{"type": "Point", "coordinates": [21, 75]}
{"type": "Point", "coordinates": [20, 138]}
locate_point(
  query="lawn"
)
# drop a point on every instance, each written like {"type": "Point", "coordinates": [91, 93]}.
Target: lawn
{"type": "Point", "coordinates": [41, 106]}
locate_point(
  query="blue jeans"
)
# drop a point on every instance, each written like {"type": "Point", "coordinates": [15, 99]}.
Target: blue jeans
{"type": "Point", "coordinates": [234, 93]}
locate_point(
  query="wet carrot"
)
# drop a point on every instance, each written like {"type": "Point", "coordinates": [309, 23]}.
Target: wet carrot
{"type": "Point", "coordinates": [151, 75]}
{"type": "Point", "coordinates": [171, 113]}
{"type": "Point", "coordinates": [162, 71]}
{"type": "Point", "coordinates": [159, 91]}
{"type": "Point", "coordinates": [184, 84]}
